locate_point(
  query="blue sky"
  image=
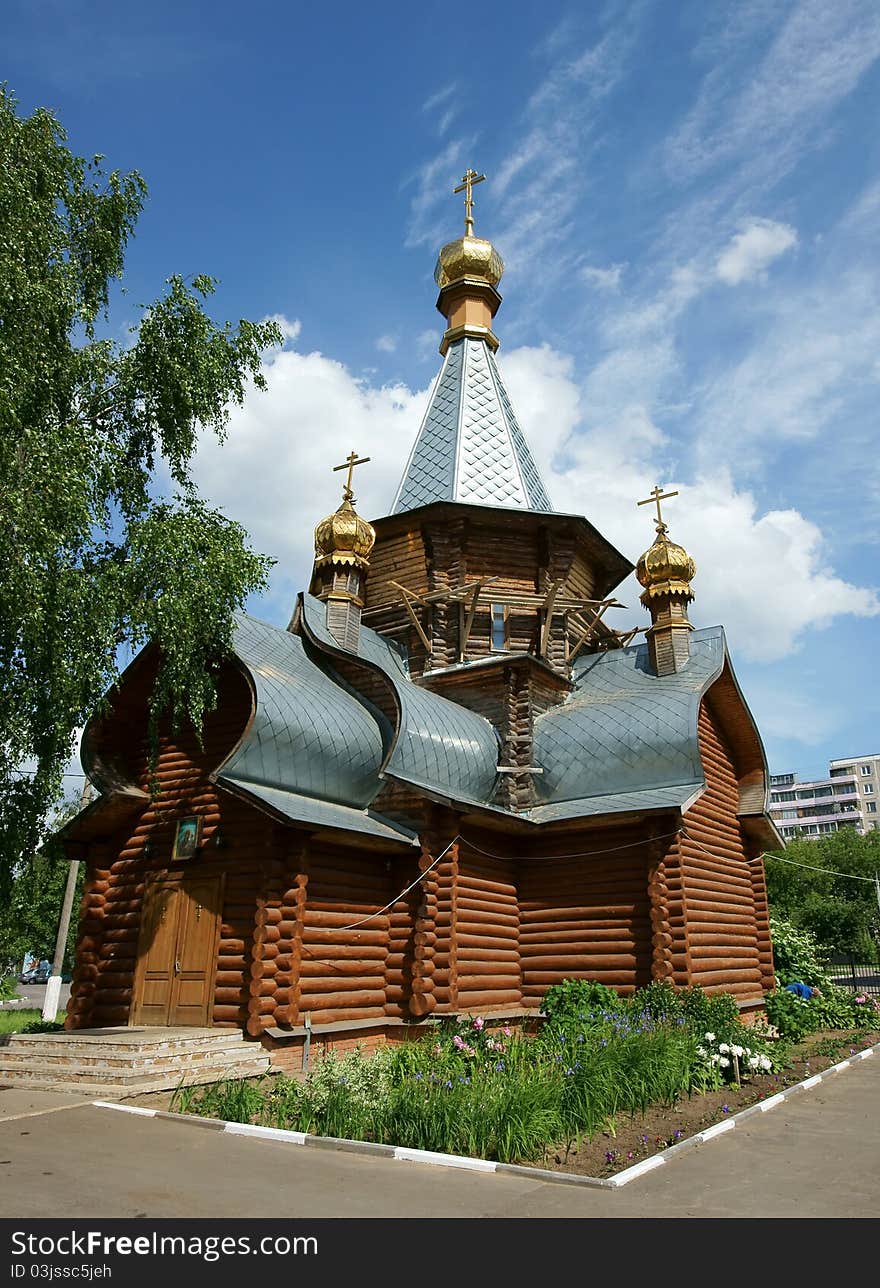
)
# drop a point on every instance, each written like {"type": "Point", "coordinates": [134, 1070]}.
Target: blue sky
{"type": "Point", "coordinates": [686, 197]}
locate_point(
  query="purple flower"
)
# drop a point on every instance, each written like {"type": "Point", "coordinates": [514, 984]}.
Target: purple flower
{"type": "Point", "coordinates": [610, 1156]}
{"type": "Point", "coordinates": [725, 1109]}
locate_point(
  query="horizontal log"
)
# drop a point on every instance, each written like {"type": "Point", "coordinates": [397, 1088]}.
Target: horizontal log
{"type": "Point", "coordinates": [103, 1015]}
{"type": "Point", "coordinates": [610, 977]}
{"type": "Point", "coordinates": [487, 999]}
{"type": "Point", "coordinates": [485, 968]}
{"type": "Point", "coordinates": [229, 978]}
{"type": "Point", "coordinates": [346, 1002]}
{"type": "Point", "coordinates": [353, 985]}
{"type": "Point", "coordinates": [325, 920]}
{"type": "Point", "coordinates": [588, 960]}
{"type": "Point", "coordinates": [588, 932]}
{"type": "Point", "coordinates": [230, 995]}
{"type": "Point", "coordinates": [233, 947]}
{"type": "Point", "coordinates": [532, 915]}
{"type": "Point", "coordinates": [226, 1014]}
{"type": "Point", "coordinates": [506, 912]}
{"type": "Point", "coordinates": [341, 966]}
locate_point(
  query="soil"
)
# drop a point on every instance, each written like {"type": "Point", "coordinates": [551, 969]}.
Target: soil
{"type": "Point", "coordinates": [627, 1141]}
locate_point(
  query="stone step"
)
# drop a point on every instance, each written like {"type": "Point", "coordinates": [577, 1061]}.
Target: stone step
{"type": "Point", "coordinates": [57, 1061]}
{"type": "Point", "coordinates": [231, 1065]}
{"type": "Point", "coordinates": [118, 1090]}
{"type": "Point", "coordinates": [75, 1069]}
{"type": "Point", "coordinates": [112, 1043]}
{"type": "Point", "coordinates": [119, 1054]}
{"type": "Point", "coordinates": [84, 1080]}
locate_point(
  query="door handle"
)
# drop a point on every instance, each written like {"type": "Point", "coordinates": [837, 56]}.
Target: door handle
{"type": "Point", "coordinates": [177, 967]}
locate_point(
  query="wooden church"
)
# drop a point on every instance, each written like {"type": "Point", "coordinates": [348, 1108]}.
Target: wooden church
{"type": "Point", "coordinates": [449, 783]}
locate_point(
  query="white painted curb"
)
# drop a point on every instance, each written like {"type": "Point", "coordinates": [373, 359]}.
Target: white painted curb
{"type": "Point", "coordinates": [403, 1154]}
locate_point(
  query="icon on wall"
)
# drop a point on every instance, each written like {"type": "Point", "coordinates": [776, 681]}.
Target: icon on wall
{"type": "Point", "coordinates": [187, 838]}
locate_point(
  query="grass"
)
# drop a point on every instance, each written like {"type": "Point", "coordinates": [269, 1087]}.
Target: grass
{"type": "Point", "coordinates": [14, 1021]}
{"type": "Point", "coordinates": [599, 1060]}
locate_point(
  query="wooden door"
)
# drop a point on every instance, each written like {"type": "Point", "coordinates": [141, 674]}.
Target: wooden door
{"type": "Point", "coordinates": [177, 951]}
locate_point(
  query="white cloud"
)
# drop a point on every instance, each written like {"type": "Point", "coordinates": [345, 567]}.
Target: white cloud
{"type": "Point", "coordinates": [386, 343]}
{"type": "Point", "coordinates": [753, 249]}
{"type": "Point", "coordinates": [764, 576]}
{"type": "Point", "coordinates": [603, 279]}
{"type": "Point", "coordinates": [442, 96]}
{"type": "Point", "coordinates": [274, 472]}
{"type": "Point", "coordinates": [764, 124]}
{"type": "Point", "coordinates": [289, 328]}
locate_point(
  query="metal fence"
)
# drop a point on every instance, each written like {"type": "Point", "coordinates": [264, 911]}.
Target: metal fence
{"type": "Point", "coordinates": [861, 977]}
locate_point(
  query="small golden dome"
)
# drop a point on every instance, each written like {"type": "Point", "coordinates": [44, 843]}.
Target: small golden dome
{"type": "Point", "coordinates": [666, 569]}
{"type": "Point", "coordinates": [468, 256]}
{"type": "Point", "coordinates": [344, 537]}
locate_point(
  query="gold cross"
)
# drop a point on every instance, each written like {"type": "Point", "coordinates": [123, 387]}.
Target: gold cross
{"type": "Point", "coordinates": [468, 179]}
{"type": "Point", "coordinates": [348, 464]}
{"type": "Point", "coordinates": [658, 495]}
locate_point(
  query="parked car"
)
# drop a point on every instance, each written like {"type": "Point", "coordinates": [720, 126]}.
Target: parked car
{"type": "Point", "coordinates": [38, 974]}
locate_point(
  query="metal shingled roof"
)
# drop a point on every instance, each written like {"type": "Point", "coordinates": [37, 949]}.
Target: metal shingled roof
{"type": "Point", "coordinates": [440, 745]}
{"type": "Point", "coordinates": [626, 733]}
{"type": "Point", "coordinates": [470, 446]}
{"type": "Point", "coordinates": [313, 750]}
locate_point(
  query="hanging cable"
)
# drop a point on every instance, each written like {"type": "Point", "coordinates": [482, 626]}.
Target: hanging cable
{"type": "Point", "coordinates": [586, 854]}
{"type": "Point", "coordinates": [398, 897]}
{"type": "Point", "coordinates": [768, 854]}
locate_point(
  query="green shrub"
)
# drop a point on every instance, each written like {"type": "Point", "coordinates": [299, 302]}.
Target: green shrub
{"type": "Point", "coordinates": [8, 988]}
{"type": "Point", "coordinates": [796, 954]}
{"type": "Point", "coordinates": [578, 998]}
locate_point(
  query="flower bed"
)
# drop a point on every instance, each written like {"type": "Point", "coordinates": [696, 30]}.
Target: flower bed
{"type": "Point", "coordinates": [605, 1082]}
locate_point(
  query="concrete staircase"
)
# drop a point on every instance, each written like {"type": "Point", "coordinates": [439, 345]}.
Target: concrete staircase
{"type": "Point", "coordinates": [117, 1062]}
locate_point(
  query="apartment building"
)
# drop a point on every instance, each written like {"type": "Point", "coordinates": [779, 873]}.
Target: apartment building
{"type": "Point", "coordinates": [848, 797]}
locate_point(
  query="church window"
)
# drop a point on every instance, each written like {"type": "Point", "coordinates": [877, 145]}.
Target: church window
{"type": "Point", "coordinates": [499, 628]}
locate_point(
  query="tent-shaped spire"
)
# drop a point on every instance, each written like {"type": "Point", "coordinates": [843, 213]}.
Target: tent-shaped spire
{"type": "Point", "coordinates": [469, 447]}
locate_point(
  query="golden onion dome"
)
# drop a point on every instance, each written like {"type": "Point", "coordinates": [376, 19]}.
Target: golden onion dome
{"type": "Point", "coordinates": [666, 568]}
{"type": "Point", "coordinates": [471, 257]}
{"type": "Point", "coordinates": [344, 537]}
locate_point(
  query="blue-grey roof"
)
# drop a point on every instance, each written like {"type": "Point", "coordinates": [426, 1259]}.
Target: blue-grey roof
{"type": "Point", "coordinates": [625, 739]}
{"type": "Point", "coordinates": [440, 746]}
{"type": "Point", "coordinates": [470, 447]}
{"type": "Point", "coordinates": [313, 750]}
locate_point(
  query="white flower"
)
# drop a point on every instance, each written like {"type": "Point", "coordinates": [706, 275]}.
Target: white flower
{"type": "Point", "coordinates": [724, 1048]}
{"type": "Point", "coordinates": [754, 1061]}
{"type": "Point", "coordinates": [701, 1050]}
{"type": "Point", "coordinates": [710, 1037]}
{"type": "Point", "coordinates": [766, 1062]}
{"type": "Point", "coordinates": [714, 1059]}
{"type": "Point", "coordinates": [724, 1062]}
{"type": "Point", "coordinates": [737, 1051]}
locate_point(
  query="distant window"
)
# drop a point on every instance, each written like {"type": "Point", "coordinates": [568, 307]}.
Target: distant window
{"type": "Point", "coordinates": [867, 788]}
{"type": "Point", "coordinates": [865, 769]}
{"type": "Point", "coordinates": [783, 796]}
{"type": "Point", "coordinates": [871, 807]}
{"type": "Point", "coordinates": [499, 628]}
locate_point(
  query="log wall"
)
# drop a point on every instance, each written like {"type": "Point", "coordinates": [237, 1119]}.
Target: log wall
{"type": "Point", "coordinates": [486, 932]}
{"type": "Point", "coordinates": [722, 949]}
{"type": "Point", "coordinates": [587, 918]}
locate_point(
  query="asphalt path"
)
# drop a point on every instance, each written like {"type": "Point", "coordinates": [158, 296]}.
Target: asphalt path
{"type": "Point", "coordinates": [33, 995]}
{"type": "Point", "coordinates": [815, 1155]}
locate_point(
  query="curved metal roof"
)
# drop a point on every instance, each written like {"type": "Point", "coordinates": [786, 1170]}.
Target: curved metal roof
{"type": "Point", "coordinates": [313, 750]}
{"type": "Point", "coordinates": [626, 738]}
{"type": "Point", "coordinates": [441, 747]}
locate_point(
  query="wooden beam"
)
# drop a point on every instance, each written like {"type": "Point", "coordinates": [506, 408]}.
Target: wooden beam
{"type": "Point", "coordinates": [416, 623]}
{"type": "Point", "coordinates": [547, 609]}
{"type": "Point", "coordinates": [515, 769]}
{"type": "Point", "coordinates": [469, 620]}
